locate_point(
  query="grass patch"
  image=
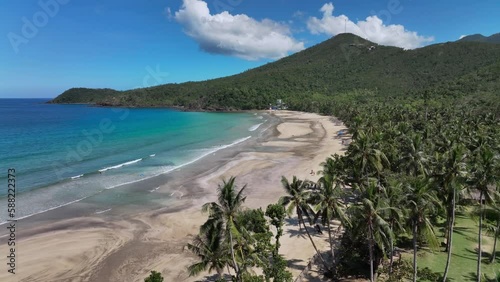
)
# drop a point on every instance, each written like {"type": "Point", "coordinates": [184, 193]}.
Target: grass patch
{"type": "Point", "coordinates": [464, 254]}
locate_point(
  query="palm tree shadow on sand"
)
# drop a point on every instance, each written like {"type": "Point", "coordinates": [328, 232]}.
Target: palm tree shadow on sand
{"type": "Point", "coordinates": [214, 277]}
{"type": "Point", "coordinates": [295, 231]}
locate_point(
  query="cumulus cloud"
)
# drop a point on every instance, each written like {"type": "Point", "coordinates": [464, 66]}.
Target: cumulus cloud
{"type": "Point", "coordinates": [372, 28]}
{"type": "Point", "coordinates": [462, 36]}
{"type": "Point", "coordinates": [235, 35]}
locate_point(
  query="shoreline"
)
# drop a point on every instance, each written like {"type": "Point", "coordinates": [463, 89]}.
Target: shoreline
{"type": "Point", "coordinates": [171, 107]}
{"type": "Point", "coordinates": [77, 186]}
{"type": "Point", "coordinates": [125, 243]}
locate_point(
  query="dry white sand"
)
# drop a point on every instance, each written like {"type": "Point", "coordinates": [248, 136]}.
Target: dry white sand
{"type": "Point", "coordinates": [87, 249]}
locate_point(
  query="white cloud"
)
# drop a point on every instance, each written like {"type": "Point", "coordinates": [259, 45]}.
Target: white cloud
{"type": "Point", "coordinates": [462, 36]}
{"type": "Point", "coordinates": [236, 35]}
{"type": "Point", "coordinates": [372, 29]}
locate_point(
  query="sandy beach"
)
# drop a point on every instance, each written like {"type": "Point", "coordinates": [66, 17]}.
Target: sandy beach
{"type": "Point", "coordinates": [105, 247]}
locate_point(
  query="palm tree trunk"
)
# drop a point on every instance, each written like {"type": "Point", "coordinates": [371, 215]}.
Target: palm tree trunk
{"type": "Point", "coordinates": [232, 254]}
{"type": "Point", "coordinates": [370, 249]}
{"type": "Point", "coordinates": [479, 252]}
{"type": "Point", "coordinates": [494, 252]}
{"type": "Point", "coordinates": [299, 215]}
{"type": "Point", "coordinates": [447, 229]}
{"type": "Point", "coordinates": [450, 236]}
{"type": "Point", "coordinates": [392, 253]}
{"type": "Point", "coordinates": [219, 273]}
{"type": "Point", "coordinates": [312, 242]}
{"type": "Point", "coordinates": [415, 232]}
{"type": "Point", "coordinates": [331, 241]}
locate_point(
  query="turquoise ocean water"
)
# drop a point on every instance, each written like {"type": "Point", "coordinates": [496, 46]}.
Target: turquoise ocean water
{"type": "Point", "coordinates": [65, 153]}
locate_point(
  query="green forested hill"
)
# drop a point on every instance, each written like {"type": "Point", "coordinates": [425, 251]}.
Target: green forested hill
{"type": "Point", "coordinates": [340, 65]}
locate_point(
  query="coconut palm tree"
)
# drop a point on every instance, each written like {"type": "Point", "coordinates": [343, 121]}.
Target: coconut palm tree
{"type": "Point", "coordinates": [422, 202]}
{"type": "Point", "coordinates": [452, 171]}
{"type": "Point", "coordinates": [229, 203]}
{"type": "Point", "coordinates": [491, 215]}
{"type": "Point", "coordinates": [413, 158]}
{"type": "Point", "coordinates": [329, 204]}
{"type": "Point", "coordinates": [493, 211]}
{"type": "Point", "coordinates": [484, 175]}
{"type": "Point", "coordinates": [367, 158]}
{"type": "Point", "coordinates": [333, 165]}
{"type": "Point", "coordinates": [251, 244]}
{"type": "Point", "coordinates": [211, 248]}
{"type": "Point", "coordinates": [368, 216]}
{"type": "Point", "coordinates": [297, 200]}
{"type": "Point", "coordinates": [395, 198]}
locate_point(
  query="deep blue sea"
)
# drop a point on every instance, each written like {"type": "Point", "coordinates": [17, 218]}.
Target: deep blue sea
{"type": "Point", "coordinates": [64, 153]}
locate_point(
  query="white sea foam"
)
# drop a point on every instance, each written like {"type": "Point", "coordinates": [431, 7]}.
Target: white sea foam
{"type": "Point", "coordinates": [120, 165]}
{"type": "Point", "coordinates": [152, 155]}
{"type": "Point", "coordinates": [99, 212]}
{"type": "Point", "coordinates": [206, 153]}
{"type": "Point", "coordinates": [76, 177]}
{"type": "Point", "coordinates": [253, 128]}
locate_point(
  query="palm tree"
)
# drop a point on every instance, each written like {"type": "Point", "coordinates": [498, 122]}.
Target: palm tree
{"type": "Point", "coordinates": [484, 175]}
{"type": "Point", "coordinates": [333, 165]}
{"type": "Point", "coordinates": [421, 202]}
{"type": "Point", "coordinates": [366, 156]}
{"type": "Point", "coordinates": [329, 204]}
{"type": "Point", "coordinates": [211, 248]}
{"type": "Point", "coordinates": [491, 212]}
{"type": "Point", "coordinates": [451, 176]}
{"type": "Point", "coordinates": [249, 250]}
{"type": "Point", "coordinates": [297, 201]}
{"type": "Point", "coordinates": [413, 158]}
{"type": "Point", "coordinates": [229, 203]}
{"type": "Point", "coordinates": [368, 214]}
{"type": "Point", "coordinates": [395, 198]}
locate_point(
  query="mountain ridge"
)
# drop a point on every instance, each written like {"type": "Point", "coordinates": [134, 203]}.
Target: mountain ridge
{"type": "Point", "coordinates": [340, 64]}
{"type": "Point", "coordinates": [494, 38]}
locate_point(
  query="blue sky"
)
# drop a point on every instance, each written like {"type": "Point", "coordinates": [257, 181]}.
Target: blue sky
{"type": "Point", "coordinates": [49, 46]}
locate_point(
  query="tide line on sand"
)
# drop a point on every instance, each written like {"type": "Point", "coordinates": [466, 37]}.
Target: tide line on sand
{"type": "Point", "coordinates": [49, 209]}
